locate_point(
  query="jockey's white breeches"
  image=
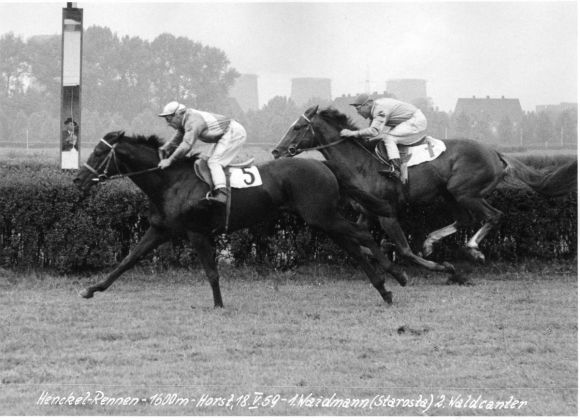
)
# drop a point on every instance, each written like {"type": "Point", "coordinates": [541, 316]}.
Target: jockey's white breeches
{"type": "Point", "coordinates": [224, 152]}
{"type": "Point", "coordinates": [408, 132]}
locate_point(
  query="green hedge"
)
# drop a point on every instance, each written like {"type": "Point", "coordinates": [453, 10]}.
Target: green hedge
{"type": "Point", "coordinates": [45, 223]}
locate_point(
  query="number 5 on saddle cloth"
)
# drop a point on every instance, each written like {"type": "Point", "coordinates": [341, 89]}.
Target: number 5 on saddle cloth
{"type": "Point", "coordinates": [238, 175]}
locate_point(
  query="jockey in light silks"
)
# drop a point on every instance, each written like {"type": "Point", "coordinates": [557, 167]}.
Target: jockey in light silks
{"type": "Point", "coordinates": [393, 121]}
{"type": "Point", "coordinates": [226, 134]}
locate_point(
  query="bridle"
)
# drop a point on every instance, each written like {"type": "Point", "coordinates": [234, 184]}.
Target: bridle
{"type": "Point", "coordinates": [103, 169]}
{"type": "Point", "coordinates": [294, 151]}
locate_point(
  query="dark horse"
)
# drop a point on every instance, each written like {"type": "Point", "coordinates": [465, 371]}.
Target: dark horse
{"type": "Point", "coordinates": [306, 187]}
{"type": "Point", "coordinates": [462, 175]}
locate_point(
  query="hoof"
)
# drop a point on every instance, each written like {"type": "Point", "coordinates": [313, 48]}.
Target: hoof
{"type": "Point", "coordinates": [476, 255]}
{"type": "Point", "coordinates": [388, 297]}
{"type": "Point", "coordinates": [402, 278]}
{"type": "Point", "coordinates": [87, 294]}
{"type": "Point", "coordinates": [366, 251]}
{"type": "Point", "coordinates": [427, 250]}
{"type": "Point", "coordinates": [448, 267]}
{"type": "Point", "coordinates": [459, 279]}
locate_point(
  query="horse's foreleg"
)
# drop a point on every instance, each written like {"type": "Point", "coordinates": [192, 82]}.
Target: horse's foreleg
{"type": "Point", "coordinates": [206, 252]}
{"type": "Point", "coordinates": [392, 228]}
{"type": "Point", "coordinates": [363, 223]}
{"type": "Point", "coordinates": [151, 240]}
{"type": "Point", "coordinates": [436, 236]}
{"type": "Point", "coordinates": [353, 249]}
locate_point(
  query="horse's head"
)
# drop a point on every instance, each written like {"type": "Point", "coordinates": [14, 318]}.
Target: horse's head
{"type": "Point", "coordinates": [114, 155]}
{"type": "Point", "coordinates": [299, 136]}
{"type": "Point", "coordinates": [312, 131]}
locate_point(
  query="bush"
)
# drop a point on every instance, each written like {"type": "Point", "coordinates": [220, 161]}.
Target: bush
{"type": "Point", "coordinates": [46, 223]}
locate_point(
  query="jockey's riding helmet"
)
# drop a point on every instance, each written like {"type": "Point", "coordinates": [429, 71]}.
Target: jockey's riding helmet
{"type": "Point", "coordinates": [171, 108]}
{"type": "Point", "coordinates": [361, 99]}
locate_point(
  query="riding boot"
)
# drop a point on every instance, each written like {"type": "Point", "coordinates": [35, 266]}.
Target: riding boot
{"type": "Point", "coordinates": [219, 195]}
{"type": "Point", "coordinates": [395, 171]}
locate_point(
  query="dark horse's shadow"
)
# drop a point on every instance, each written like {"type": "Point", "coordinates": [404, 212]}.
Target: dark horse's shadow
{"type": "Point", "coordinates": [308, 188]}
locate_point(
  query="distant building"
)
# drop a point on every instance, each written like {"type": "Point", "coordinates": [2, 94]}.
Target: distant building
{"type": "Point", "coordinates": [307, 88]}
{"type": "Point", "coordinates": [554, 111]}
{"type": "Point", "coordinates": [407, 90]}
{"type": "Point", "coordinates": [245, 92]}
{"type": "Point", "coordinates": [489, 109]}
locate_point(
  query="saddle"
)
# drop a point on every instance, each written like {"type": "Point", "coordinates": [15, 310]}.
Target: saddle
{"type": "Point", "coordinates": [424, 150]}
{"type": "Point", "coordinates": [381, 153]}
{"type": "Point", "coordinates": [202, 170]}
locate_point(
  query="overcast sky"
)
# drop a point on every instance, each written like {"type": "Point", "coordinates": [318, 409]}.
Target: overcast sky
{"type": "Point", "coordinates": [525, 50]}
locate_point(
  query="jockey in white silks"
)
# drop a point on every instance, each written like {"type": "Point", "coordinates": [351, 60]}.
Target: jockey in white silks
{"type": "Point", "coordinates": [226, 134]}
{"type": "Point", "coordinates": [394, 121]}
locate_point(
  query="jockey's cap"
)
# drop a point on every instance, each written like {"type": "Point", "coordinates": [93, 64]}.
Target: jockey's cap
{"type": "Point", "coordinates": [361, 99]}
{"type": "Point", "coordinates": [171, 108]}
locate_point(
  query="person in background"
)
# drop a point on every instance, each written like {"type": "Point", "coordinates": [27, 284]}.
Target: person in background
{"type": "Point", "coordinates": [69, 135]}
{"type": "Point", "coordinates": [394, 121]}
{"type": "Point", "coordinates": [192, 125]}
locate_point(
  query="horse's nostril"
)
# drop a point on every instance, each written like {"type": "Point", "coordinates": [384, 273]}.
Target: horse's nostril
{"type": "Point", "coordinates": [275, 153]}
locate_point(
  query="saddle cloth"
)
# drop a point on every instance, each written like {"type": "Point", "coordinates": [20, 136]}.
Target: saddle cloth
{"type": "Point", "coordinates": [241, 175]}
{"type": "Point", "coordinates": [425, 150]}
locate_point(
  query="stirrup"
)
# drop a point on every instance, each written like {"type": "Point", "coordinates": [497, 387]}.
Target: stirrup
{"type": "Point", "coordinates": [210, 197]}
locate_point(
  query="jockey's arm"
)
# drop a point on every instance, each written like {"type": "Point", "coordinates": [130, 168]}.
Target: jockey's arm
{"type": "Point", "coordinates": [378, 124]}
{"type": "Point", "coordinates": [173, 142]}
{"type": "Point", "coordinates": [192, 129]}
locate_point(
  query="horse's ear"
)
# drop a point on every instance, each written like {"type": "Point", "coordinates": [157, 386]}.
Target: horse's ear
{"type": "Point", "coordinates": [310, 112]}
{"type": "Point", "coordinates": [120, 134]}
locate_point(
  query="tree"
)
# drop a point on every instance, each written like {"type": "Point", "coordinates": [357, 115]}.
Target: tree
{"type": "Point", "coordinates": [462, 125]}
{"type": "Point", "coordinates": [544, 130]}
{"type": "Point", "coordinates": [482, 131]}
{"type": "Point", "coordinates": [189, 72]}
{"type": "Point", "coordinates": [14, 70]}
{"type": "Point", "coordinates": [14, 66]}
{"type": "Point", "coordinates": [269, 124]}
{"type": "Point", "coordinates": [567, 127]}
{"type": "Point", "coordinates": [505, 132]}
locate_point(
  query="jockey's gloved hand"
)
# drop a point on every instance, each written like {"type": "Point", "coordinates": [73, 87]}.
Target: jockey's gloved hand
{"type": "Point", "coordinates": [348, 133]}
{"type": "Point", "coordinates": [164, 163]}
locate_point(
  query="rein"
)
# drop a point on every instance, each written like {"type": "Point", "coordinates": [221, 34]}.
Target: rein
{"type": "Point", "coordinates": [112, 157]}
{"type": "Point", "coordinates": [331, 144]}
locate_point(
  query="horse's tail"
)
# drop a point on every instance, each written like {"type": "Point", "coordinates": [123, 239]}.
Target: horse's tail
{"type": "Point", "coordinates": [561, 181]}
{"type": "Point", "coordinates": [350, 188]}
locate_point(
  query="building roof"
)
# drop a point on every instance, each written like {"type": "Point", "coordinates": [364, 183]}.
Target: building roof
{"type": "Point", "coordinates": [494, 109]}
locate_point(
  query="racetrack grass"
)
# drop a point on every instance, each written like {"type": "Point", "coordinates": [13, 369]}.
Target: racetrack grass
{"type": "Point", "coordinates": [320, 330]}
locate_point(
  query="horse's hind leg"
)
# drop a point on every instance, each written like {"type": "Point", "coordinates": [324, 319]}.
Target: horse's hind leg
{"type": "Point", "coordinates": [436, 236]}
{"type": "Point", "coordinates": [481, 210]}
{"type": "Point", "coordinates": [206, 252]}
{"type": "Point", "coordinates": [392, 228]}
{"type": "Point", "coordinates": [151, 240]}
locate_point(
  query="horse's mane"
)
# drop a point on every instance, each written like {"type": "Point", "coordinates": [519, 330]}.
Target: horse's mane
{"type": "Point", "coordinates": [152, 141]}
{"type": "Point", "coordinates": [337, 119]}
{"type": "Point", "coordinates": [340, 120]}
